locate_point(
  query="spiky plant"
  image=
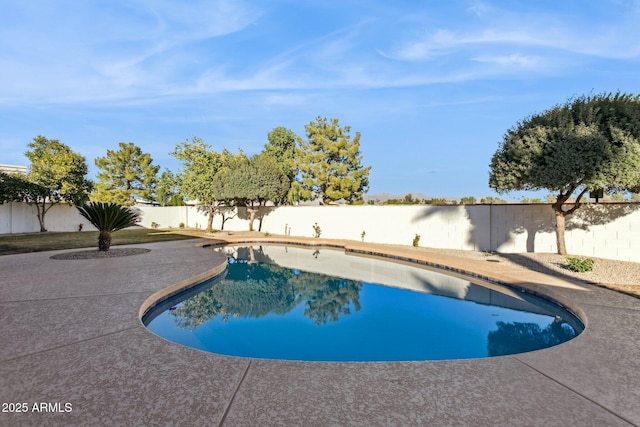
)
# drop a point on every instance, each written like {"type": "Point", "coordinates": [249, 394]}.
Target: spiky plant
{"type": "Point", "coordinates": [107, 218]}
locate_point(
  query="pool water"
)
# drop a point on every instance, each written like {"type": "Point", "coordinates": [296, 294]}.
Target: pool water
{"type": "Point", "coordinates": [293, 303]}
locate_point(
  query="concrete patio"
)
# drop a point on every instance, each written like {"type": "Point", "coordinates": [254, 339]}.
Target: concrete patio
{"type": "Point", "coordinates": [71, 333]}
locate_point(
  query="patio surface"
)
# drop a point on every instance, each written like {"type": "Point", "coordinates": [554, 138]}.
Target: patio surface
{"type": "Point", "coordinates": [71, 333]}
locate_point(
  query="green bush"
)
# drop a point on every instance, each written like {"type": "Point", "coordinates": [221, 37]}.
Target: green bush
{"type": "Point", "coordinates": [580, 265]}
{"type": "Point", "coordinates": [416, 240]}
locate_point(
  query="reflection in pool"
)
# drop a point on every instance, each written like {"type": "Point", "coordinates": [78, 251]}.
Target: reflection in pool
{"type": "Point", "coordinates": [275, 302]}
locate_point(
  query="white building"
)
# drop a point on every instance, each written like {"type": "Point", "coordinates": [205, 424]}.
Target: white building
{"type": "Point", "coordinates": [13, 169]}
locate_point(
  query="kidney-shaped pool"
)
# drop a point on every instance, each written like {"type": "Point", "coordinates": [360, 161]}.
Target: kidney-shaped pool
{"type": "Point", "coordinates": [295, 303]}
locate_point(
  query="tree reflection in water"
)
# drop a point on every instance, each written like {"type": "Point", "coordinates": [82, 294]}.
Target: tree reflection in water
{"type": "Point", "coordinates": [516, 337]}
{"type": "Point", "coordinates": [254, 288]}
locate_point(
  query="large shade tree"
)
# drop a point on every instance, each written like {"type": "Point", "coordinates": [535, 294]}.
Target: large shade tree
{"type": "Point", "coordinates": [329, 163]}
{"type": "Point", "coordinates": [199, 165]}
{"type": "Point", "coordinates": [56, 175]}
{"type": "Point", "coordinates": [252, 184]}
{"type": "Point", "coordinates": [125, 174]}
{"type": "Point", "coordinates": [586, 144]}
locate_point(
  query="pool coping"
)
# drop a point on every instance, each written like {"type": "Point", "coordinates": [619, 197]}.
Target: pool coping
{"type": "Point", "coordinates": [115, 371]}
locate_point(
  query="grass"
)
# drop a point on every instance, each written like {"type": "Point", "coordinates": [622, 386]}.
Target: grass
{"type": "Point", "coordinates": [50, 241]}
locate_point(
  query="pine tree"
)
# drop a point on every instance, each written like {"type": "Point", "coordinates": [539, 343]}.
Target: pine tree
{"type": "Point", "coordinates": [125, 173]}
{"type": "Point", "coordinates": [329, 163]}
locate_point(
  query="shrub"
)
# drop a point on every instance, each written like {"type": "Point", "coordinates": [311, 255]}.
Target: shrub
{"type": "Point", "coordinates": [316, 230]}
{"type": "Point", "coordinates": [416, 240]}
{"type": "Point", "coordinates": [181, 225]}
{"type": "Point", "coordinates": [362, 235]}
{"type": "Point", "coordinates": [580, 265]}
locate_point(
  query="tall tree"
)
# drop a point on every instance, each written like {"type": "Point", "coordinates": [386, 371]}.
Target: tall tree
{"type": "Point", "coordinates": [329, 163]}
{"type": "Point", "coordinates": [588, 143]}
{"type": "Point", "coordinates": [56, 175]}
{"type": "Point", "coordinates": [125, 173]}
{"type": "Point", "coordinates": [253, 183]}
{"type": "Point", "coordinates": [282, 147]}
{"type": "Point", "coordinates": [199, 165]}
{"type": "Point", "coordinates": [168, 189]}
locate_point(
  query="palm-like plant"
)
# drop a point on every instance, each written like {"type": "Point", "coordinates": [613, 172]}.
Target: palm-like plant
{"type": "Point", "coordinates": [107, 218]}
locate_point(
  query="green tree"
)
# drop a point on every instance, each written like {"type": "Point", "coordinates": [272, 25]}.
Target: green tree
{"type": "Point", "coordinates": [329, 163]}
{"type": "Point", "coordinates": [16, 188]}
{"type": "Point", "coordinates": [108, 218]}
{"type": "Point", "coordinates": [489, 200]}
{"type": "Point", "coordinates": [168, 189]}
{"type": "Point", "coordinates": [282, 147]}
{"type": "Point", "coordinates": [199, 166]}
{"type": "Point", "coordinates": [531, 200]}
{"type": "Point", "coordinates": [468, 200]}
{"type": "Point", "coordinates": [125, 173]}
{"type": "Point", "coordinates": [57, 175]}
{"type": "Point", "coordinates": [586, 144]}
{"type": "Point", "coordinates": [438, 201]}
{"type": "Point", "coordinates": [252, 184]}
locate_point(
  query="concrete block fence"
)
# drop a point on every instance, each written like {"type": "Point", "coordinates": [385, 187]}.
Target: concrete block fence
{"type": "Point", "coordinates": [599, 230]}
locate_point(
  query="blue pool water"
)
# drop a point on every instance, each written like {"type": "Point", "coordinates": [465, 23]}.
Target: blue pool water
{"type": "Point", "coordinates": [293, 303]}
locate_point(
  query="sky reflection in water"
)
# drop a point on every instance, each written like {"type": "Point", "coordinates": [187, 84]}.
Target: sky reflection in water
{"type": "Point", "coordinates": [271, 304]}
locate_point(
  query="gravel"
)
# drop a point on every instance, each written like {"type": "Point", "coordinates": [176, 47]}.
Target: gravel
{"type": "Point", "coordinates": [112, 253]}
{"type": "Point", "coordinates": [605, 271]}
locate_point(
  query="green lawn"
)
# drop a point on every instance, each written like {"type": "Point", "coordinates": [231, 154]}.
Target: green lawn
{"type": "Point", "coordinates": [36, 242]}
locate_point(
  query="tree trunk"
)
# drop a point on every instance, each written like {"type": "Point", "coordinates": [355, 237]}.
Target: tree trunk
{"type": "Point", "coordinates": [560, 225]}
{"type": "Point", "coordinates": [210, 219]}
{"type": "Point", "coordinates": [41, 213]}
{"type": "Point", "coordinates": [104, 241]}
{"type": "Point", "coordinates": [252, 216]}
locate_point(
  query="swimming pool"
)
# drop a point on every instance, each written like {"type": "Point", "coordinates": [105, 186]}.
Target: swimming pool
{"type": "Point", "coordinates": [294, 303]}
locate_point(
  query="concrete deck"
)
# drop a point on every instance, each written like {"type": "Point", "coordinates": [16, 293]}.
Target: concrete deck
{"type": "Point", "coordinates": [71, 333]}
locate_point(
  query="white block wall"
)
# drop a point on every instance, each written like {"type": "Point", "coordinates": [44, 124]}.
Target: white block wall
{"type": "Point", "coordinates": [604, 230]}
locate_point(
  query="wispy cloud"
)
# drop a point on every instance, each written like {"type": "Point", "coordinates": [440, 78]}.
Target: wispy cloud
{"type": "Point", "coordinates": [151, 49]}
{"type": "Point", "coordinates": [497, 29]}
{"type": "Point", "coordinates": [109, 51]}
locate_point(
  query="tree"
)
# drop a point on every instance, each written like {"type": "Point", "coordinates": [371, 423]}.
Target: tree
{"type": "Point", "coordinates": [282, 148]}
{"type": "Point", "coordinates": [124, 174]}
{"type": "Point", "coordinates": [16, 188]}
{"type": "Point", "coordinates": [470, 200]}
{"type": "Point", "coordinates": [489, 200]}
{"type": "Point", "coordinates": [329, 163]}
{"type": "Point", "coordinates": [108, 218]}
{"type": "Point", "coordinates": [586, 144]}
{"type": "Point", "coordinates": [200, 165]}
{"type": "Point", "coordinates": [252, 183]}
{"type": "Point", "coordinates": [168, 189]}
{"type": "Point", "coordinates": [56, 175]}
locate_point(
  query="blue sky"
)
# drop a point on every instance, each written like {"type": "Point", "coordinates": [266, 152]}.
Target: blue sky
{"type": "Point", "coordinates": [432, 86]}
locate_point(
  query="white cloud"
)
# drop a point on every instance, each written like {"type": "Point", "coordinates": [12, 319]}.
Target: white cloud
{"type": "Point", "coordinates": [497, 29]}
{"type": "Point", "coordinates": [102, 51]}
{"type": "Point", "coordinates": [512, 60]}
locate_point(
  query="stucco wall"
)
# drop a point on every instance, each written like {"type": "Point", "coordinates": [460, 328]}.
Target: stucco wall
{"type": "Point", "coordinates": [602, 230]}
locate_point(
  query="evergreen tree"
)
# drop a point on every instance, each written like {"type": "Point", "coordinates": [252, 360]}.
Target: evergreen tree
{"type": "Point", "coordinates": [329, 163]}
{"type": "Point", "coordinates": [124, 174]}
